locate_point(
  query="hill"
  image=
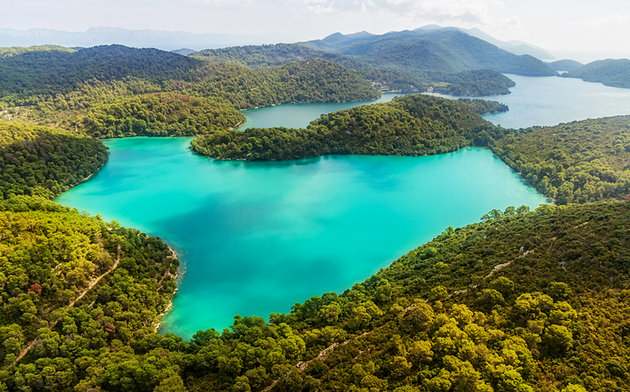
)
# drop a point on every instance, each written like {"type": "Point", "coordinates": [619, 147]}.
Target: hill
{"type": "Point", "coordinates": [411, 125]}
{"type": "Point", "coordinates": [49, 72]}
{"type": "Point", "coordinates": [33, 75]}
{"type": "Point", "coordinates": [445, 60]}
{"type": "Point", "coordinates": [575, 162]}
{"type": "Point", "coordinates": [73, 288]}
{"type": "Point", "coordinates": [37, 160]}
{"type": "Point", "coordinates": [62, 88]}
{"type": "Point", "coordinates": [523, 301]}
{"type": "Point", "coordinates": [565, 65]}
{"type": "Point", "coordinates": [444, 50]}
{"type": "Point", "coordinates": [615, 73]}
{"type": "Point", "coordinates": [160, 114]}
{"type": "Point", "coordinates": [516, 47]}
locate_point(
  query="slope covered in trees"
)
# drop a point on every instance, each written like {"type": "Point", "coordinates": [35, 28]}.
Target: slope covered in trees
{"type": "Point", "coordinates": [411, 125]}
{"type": "Point", "coordinates": [523, 301]}
{"type": "Point", "coordinates": [302, 81]}
{"type": "Point", "coordinates": [615, 73]}
{"type": "Point", "coordinates": [45, 161]}
{"type": "Point", "coordinates": [49, 72]}
{"type": "Point", "coordinates": [81, 89]}
{"type": "Point", "coordinates": [74, 291]}
{"type": "Point", "coordinates": [574, 162]}
{"type": "Point", "coordinates": [161, 114]}
{"type": "Point", "coordinates": [28, 76]}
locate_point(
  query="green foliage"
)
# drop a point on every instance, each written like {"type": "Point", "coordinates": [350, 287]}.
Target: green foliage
{"type": "Point", "coordinates": [304, 81]}
{"type": "Point", "coordinates": [411, 125]}
{"type": "Point", "coordinates": [412, 340]}
{"type": "Point", "coordinates": [33, 77]}
{"type": "Point", "coordinates": [162, 114]}
{"type": "Point", "coordinates": [574, 162]}
{"type": "Point", "coordinates": [77, 290]}
{"type": "Point", "coordinates": [37, 160]}
{"type": "Point", "coordinates": [37, 72]}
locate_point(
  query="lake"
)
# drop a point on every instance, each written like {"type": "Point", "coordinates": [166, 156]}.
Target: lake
{"type": "Point", "coordinates": [255, 238]}
{"type": "Point", "coordinates": [299, 115]}
{"type": "Point", "coordinates": [553, 100]}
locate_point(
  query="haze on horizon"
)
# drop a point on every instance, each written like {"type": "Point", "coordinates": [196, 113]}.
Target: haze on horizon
{"type": "Point", "coordinates": [582, 30]}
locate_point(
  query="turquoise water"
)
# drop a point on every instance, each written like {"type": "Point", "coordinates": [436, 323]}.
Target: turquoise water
{"type": "Point", "coordinates": [255, 238]}
{"type": "Point", "coordinates": [299, 115]}
{"type": "Point", "coordinates": [553, 100]}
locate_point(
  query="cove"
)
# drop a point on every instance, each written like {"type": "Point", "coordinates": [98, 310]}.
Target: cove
{"type": "Point", "coordinates": [299, 115]}
{"type": "Point", "coordinates": [255, 238]}
{"type": "Point", "coordinates": [553, 100]}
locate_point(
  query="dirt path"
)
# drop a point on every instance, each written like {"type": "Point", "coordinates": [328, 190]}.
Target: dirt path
{"type": "Point", "coordinates": [24, 352]}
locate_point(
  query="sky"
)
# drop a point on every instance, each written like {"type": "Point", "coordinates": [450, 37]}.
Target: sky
{"type": "Point", "coordinates": [582, 29]}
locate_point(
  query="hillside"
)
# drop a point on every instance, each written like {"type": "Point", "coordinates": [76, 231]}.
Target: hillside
{"type": "Point", "coordinates": [64, 88]}
{"type": "Point", "coordinates": [575, 162]}
{"type": "Point", "coordinates": [73, 290]}
{"type": "Point", "coordinates": [37, 160]}
{"type": "Point", "coordinates": [565, 65]}
{"type": "Point", "coordinates": [161, 114]}
{"type": "Point", "coordinates": [31, 76]}
{"type": "Point", "coordinates": [411, 125]}
{"type": "Point", "coordinates": [523, 301]}
{"type": "Point", "coordinates": [615, 73]}
{"type": "Point", "coordinates": [406, 61]}
{"type": "Point", "coordinates": [432, 50]}
{"type": "Point", "coordinates": [46, 72]}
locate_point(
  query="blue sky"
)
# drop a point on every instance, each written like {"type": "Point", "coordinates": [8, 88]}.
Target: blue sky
{"type": "Point", "coordinates": [577, 28]}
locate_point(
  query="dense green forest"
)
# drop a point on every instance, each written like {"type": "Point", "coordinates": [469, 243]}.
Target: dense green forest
{"type": "Point", "coordinates": [162, 114]}
{"type": "Point", "coordinates": [411, 125]}
{"type": "Point", "coordinates": [575, 162]}
{"type": "Point", "coordinates": [523, 301]}
{"type": "Point", "coordinates": [36, 75]}
{"type": "Point", "coordinates": [76, 292]}
{"type": "Point", "coordinates": [43, 161]}
{"type": "Point", "coordinates": [615, 73]}
{"type": "Point", "coordinates": [79, 90]}
{"type": "Point", "coordinates": [50, 72]}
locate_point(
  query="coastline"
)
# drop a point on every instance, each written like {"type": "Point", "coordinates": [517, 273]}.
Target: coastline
{"type": "Point", "coordinates": [157, 323]}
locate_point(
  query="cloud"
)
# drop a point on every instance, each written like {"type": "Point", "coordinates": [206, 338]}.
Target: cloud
{"type": "Point", "coordinates": [441, 11]}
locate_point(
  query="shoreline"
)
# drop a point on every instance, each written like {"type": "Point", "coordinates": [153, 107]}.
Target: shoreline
{"type": "Point", "coordinates": [178, 277]}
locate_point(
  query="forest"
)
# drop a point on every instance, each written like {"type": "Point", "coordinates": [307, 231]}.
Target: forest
{"type": "Point", "coordinates": [611, 72]}
{"type": "Point", "coordinates": [575, 162]}
{"type": "Point", "coordinates": [522, 301]}
{"type": "Point", "coordinates": [42, 161]}
{"type": "Point", "coordinates": [160, 114]}
{"type": "Point", "coordinates": [78, 90]}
